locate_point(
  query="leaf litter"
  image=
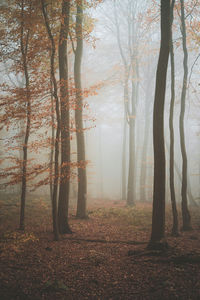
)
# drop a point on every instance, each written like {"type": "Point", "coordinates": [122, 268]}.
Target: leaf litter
{"type": "Point", "coordinates": [105, 257]}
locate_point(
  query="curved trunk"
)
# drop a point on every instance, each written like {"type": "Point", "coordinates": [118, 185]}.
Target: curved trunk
{"type": "Point", "coordinates": [158, 215]}
{"type": "Point", "coordinates": [185, 211]}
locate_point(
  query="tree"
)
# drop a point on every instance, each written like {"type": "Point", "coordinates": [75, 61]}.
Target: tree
{"type": "Point", "coordinates": [147, 119]}
{"type": "Point", "coordinates": [55, 95]}
{"type": "Point", "coordinates": [185, 211]}
{"type": "Point", "coordinates": [63, 201]}
{"type": "Point", "coordinates": [158, 215]}
{"type": "Point", "coordinates": [171, 129]}
{"type": "Point", "coordinates": [82, 178]}
{"type": "Point", "coordinates": [24, 40]}
{"type": "Point", "coordinates": [130, 64]}
{"type": "Point", "coordinates": [23, 50]}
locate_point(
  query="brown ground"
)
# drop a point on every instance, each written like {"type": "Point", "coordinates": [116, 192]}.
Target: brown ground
{"type": "Point", "coordinates": [105, 257]}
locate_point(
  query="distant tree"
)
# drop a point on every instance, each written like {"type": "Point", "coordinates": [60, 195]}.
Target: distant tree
{"type": "Point", "coordinates": [131, 69]}
{"type": "Point", "coordinates": [147, 83]}
{"type": "Point", "coordinates": [82, 178]}
{"type": "Point", "coordinates": [185, 211]}
{"type": "Point", "coordinates": [158, 215]}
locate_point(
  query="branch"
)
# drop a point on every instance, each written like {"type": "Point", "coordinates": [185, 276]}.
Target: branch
{"type": "Point", "coordinates": [193, 67]}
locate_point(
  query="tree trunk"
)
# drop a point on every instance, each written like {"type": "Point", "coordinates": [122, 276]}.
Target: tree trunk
{"type": "Point", "coordinates": [189, 192]}
{"type": "Point", "coordinates": [24, 48]}
{"type": "Point", "coordinates": [131, 188]}
{"type": "Point", "coordinates": [51, 169]}
{"type": "Point", "coordinates": [158, 215]}
{"type": "Point", "coordinates": [54, 93]}
{"type": "Point", "coordinates": [171, 129]}
{"type": "Point", "coordinates": [185, 211]}
{"type": "Point", "coordinates": [82, 178]}
{"type": "Point", "coordinates": [131, 174]}
{"type": "Point", "coordinates": [143, 173]}
{"type": "Point", "coordinates": [123, 192]}
{"type": "Point", "coordinates": [101, 183]}
{"type": "Point", "coordinates": [63, 201]}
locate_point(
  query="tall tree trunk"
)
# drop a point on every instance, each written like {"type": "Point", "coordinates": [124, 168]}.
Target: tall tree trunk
{"type": "Point", "coordinates": [51, 168]}
{"type": "Point", "coordinates": [131, 179]}
{"type": "Point", "coordinates": [54, 93]}
{"type": "Point", "coordinates": [129, 195]}
{"type": "Point", "coordinates": [143, 174]}
{"type": "Point", "coordinates": [158, 215]}
{"type": "Point", "coordinates": [132, 161]}
{"type": "Point", "coordinates": [126, 121]}
{"type": "Point", "coordinates": [24, 49]}
{"type": "Point", "coordinates": [185, 211]}
{"type": "Point", "coordinates": [171, 129]}
{"type": "Point", "coordinates": [123, 192]}
{"type": "Point", "coordinates": [82, 178]}
{"type": "Point", "coordinates": [101, 183]}
{"type": "Point", "coordinates": [63, 202]}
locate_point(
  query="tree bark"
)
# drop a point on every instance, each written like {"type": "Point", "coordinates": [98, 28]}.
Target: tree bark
{"type": "Point", "coordinates": [184, 204]}
{"type": "Point", "coordinates": [63, 202]}
{"type": "Point", "coordinates": [56, 153]}
{"type": "Point", "coordinates": [123, 192]}
{"type": "Point", "coordinates": [171, 130]}
{"type": "Point", "coordinates": [24, 49]}
{"type": "Point", "coordinates": [143, 174]}
{"type": "Point", "coordinates": [158, 215]}
{"type": "Point", "coordinates": [82, 177]}
{"type": "Point", "coordinates": [131, 179]}
{"type": "Point", "coordinates": [131, 174]}
{"type": "Point", "coordinates": [178, 172]}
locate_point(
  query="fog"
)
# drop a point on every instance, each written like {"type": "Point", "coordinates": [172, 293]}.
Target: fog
{"type": "Point", "coordinates": [104, 113]}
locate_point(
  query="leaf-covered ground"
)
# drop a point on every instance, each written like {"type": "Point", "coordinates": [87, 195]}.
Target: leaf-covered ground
{"type": "Point", "coordinates": [104, 258]}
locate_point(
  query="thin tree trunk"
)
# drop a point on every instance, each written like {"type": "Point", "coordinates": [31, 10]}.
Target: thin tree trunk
{"type": "Point", "coordinates": [123, 193]}
{"type": "Point", "coordinates": [185, 211]}
{"type": "Point", "coordinates": [143, 174]}
{"type": "Point", "coordinates": [24, 49]}
{"type": "Point", "coordinates": [171, 129]}
{"type": "Point", "coordinates": [178, 172]}
{"type": "Point", "coordinates": [129, 196]}
{"type": "Point", "coordinates": [158, 215]}
{"type": "Point", "coordinates": [101, 184]}
{"type": "Point", "coordinates": [132, 161]}
{"type": "Point", "coordinates": [82, 178]}
{"type": "Point", "coordinates": [63, 202]}
{"type": "Point", "coordinates": [51, 169]}
{"type": "Point", "coordinates": [131, 188]}
{"type": "Point", "coordinates": [56, 154]}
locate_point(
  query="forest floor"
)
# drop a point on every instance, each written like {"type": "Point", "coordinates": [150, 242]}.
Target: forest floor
{"type": "Point", "coordinates": [104, 258]}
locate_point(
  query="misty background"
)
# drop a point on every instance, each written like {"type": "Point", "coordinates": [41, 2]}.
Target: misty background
{"type": "Point", "coordinates": [104, 113]}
